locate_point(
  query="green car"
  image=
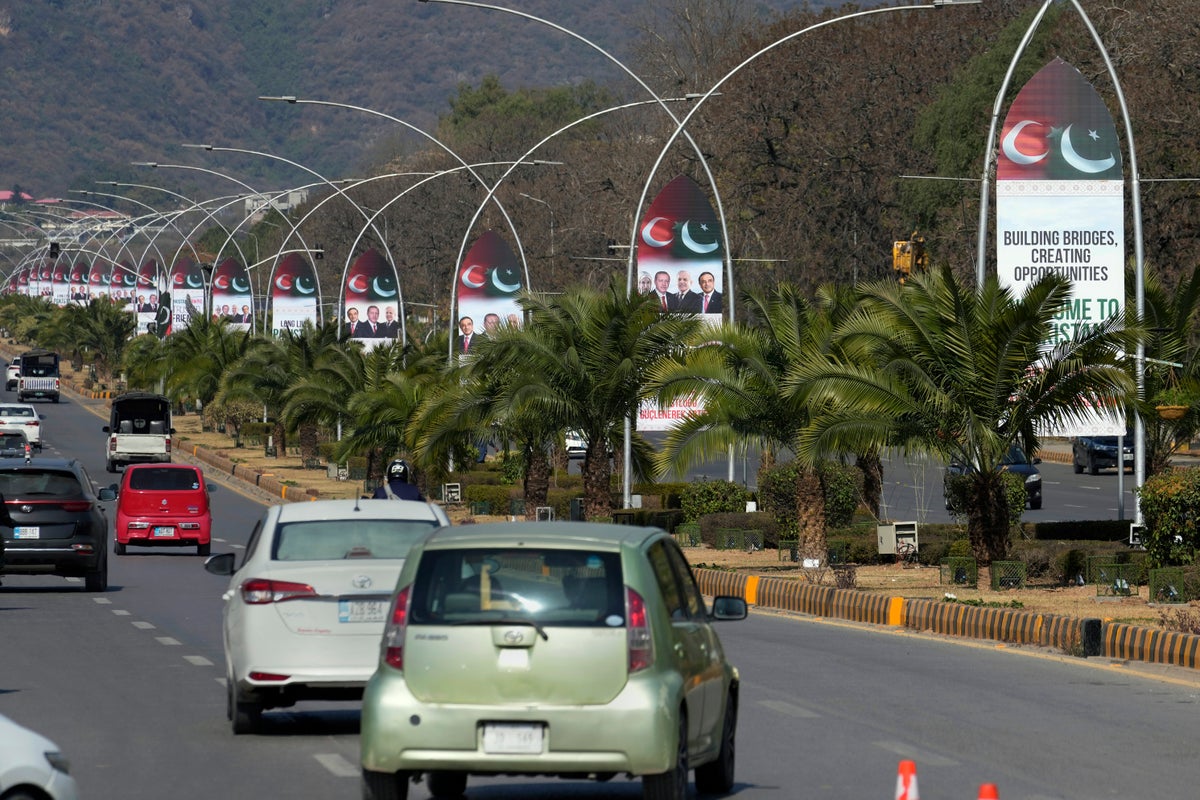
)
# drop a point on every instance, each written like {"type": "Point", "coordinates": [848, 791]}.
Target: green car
{"type": "Point", "coordinates": [550, 648]}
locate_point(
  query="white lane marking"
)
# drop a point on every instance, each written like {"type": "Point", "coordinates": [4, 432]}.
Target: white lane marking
{"type": "Point", "coordinates": [144, 625]}
{"type": "Point", "coordinates": [169, 641]}
{"type": "Point", "coordinates": [199, 661]}
{"type": "Point", "coordinates": [337, 764]}
{"type": "Point", "coordinates": [905, 750]}
{"type": "Point", "coordinates": [104, 601]}
{"type": "Point", "coordinates": [791, 709]}
{"type": "Point", "coordinates": [120, 612]}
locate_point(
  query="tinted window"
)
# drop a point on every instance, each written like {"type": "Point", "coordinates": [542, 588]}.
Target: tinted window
{"type": "Point", "coordinates": [39, 483]}
{"type": "Point", "coordinates": [668, 584]}
{"type": "Point", "coordinates": [12, 441]}
{"type": "Point", "coordinates": [577, 588]}
{"type": "Point", "coordinates": [330, 540]}
{"type": "Point", "coordinates": [687, 582]}
{"type": "Point", "coordinates": [168, 479]}
{"type": "Point", "coordinates": [15, 411]}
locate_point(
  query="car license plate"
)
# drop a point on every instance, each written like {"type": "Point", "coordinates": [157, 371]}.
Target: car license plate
{"type": "Point", "coordinates": [27, 532]}
{"type": "Point", "coordinates": [362, 610]}
{"type": "Point", "coordinates": [512, 737]}
{"type": "Point", "coordinates": [164, 530]}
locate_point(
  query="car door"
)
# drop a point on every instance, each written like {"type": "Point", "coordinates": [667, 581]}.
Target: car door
{"type": "Point", "coordinates": [688, 646]}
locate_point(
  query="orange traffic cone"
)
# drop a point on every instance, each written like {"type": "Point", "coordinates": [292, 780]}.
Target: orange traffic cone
{"type": "Point", "coordinates": [906, 782]}
{"type": "Point", "coordinates": [988, 791]}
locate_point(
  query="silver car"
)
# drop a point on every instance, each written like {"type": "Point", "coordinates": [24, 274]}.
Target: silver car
{"type": "Point", "coordinates": [550, 648]}
{"type": "Point", "coordinates": [305, 608]}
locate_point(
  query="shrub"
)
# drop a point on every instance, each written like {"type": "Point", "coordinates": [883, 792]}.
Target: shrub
{"type": "Point", "coordinates": [841, 485]}
{"type": "Point", "coordinates": [764, 526]}
{"type": "Point", "coordinates": [1170, 502]}
{"type": "Point", "coordinates": [712, 497]}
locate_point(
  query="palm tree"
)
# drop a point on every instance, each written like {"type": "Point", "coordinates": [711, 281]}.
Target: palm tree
{"type": "Point", "coordinates": [145, 363]}
{"type": "Point", "coordinates": [199, 355]}
{"type": "Point", "coordinates": [582, 363]}
{"type": "Point", "coordinates": [962, 373]}
{"type": "Point", "coordinates": [379, 406]}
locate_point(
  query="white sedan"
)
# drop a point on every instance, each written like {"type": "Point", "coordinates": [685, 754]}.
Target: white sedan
{"type": "Point", "coordinates": [22, 417]}
{"type": "Point", "coordinates": [305, 608]}
{"type": "Point", "coordinates": [32, 766]}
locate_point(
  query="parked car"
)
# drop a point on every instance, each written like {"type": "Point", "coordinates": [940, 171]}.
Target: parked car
{"type": "Point", "coordinates": [23, 417]}
{"type": "Point", "coordinates": [163, 505]}
{"type": "Point", "coordinates": [550, 648]}
{"type": "Point", "coordinates": [1095, 453]}
{"type": "Point", "coordinates": [576, 445]}
{"type": "Point", "coordinates": [32, 766]}
{"type": "Point", "coordinates": [1014, 461]}
{"type": "Point", "coordinates": [306, 606]}
{"type": "Point", "coordinates": [60, 526]}
{"type": "Point", "coordinates": [12, 374]}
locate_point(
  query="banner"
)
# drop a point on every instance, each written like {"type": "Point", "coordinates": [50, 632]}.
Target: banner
{"type": "Point", "coordinates": [149, 284]}
{"type": "Point", "coordinates": [78, 282]}
{"type": "Point", "coordinates": [60, 282]}
{"type": "Point", "coordinates": [122, 284]}
{"type": "Point", "coordinates": [99, 278]}
{"type": "Point", "coordinates": [371, 301]}
{"type": "Point", "coordinates": [232, 297]}
{"type": "Point", "coordinates": [186, 296]}
{"type": "Point", "coordinates": [489, 280]}
{"type": "Point", "coordinates": [680, 259]}
{"type": "Point", "coordinates": [295, 298]}
{"type": "Point", "coordinates": [1060, 205]}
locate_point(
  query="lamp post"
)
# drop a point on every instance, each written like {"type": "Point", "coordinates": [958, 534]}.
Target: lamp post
{"type": "Point", "coordinates": [1139, 437]}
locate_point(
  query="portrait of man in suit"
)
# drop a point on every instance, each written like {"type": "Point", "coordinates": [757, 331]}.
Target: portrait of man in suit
{"type": "Point", "coordinates": [373, 327]}
{"type": "Point", "coordinates": [687, 300]}
{"type": "Point", "coordinates": [466, 334]}
{"type": "Point", "coordinates": [354, 325]}
{"type": "Point", "coordinates": [662, 288]}
{"type": "Point", "coordinates": [710, 299]}
{"type": "Point", "coordinates": [390, 325]}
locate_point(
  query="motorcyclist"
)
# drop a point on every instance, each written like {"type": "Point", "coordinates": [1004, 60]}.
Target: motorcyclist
{"type": "Point", "coordinates": [396, 485]}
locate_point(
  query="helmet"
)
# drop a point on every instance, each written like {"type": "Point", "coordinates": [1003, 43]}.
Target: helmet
{"type": "Point", "coordinates": [398, 470]}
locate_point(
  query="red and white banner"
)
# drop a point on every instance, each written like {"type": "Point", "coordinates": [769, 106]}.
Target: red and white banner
{"type": "Point", "coordinates": [1060, 204]}
{"type": "Point", "coordinates": [295, 296]}
{"type": "Point", "coordinates": [489, 280]}
{"type": "Point", "coordinates": [371, 300]}
{"type": "Point", "coordinates": [232, 297]}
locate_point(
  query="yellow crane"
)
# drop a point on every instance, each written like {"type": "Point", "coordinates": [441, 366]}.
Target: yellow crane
{"type": "Point", "coordinates": [908, 255]}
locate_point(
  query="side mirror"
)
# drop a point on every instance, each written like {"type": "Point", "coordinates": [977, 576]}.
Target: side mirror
{"type": "Point", "coordinates": [728, 607]}
{"type": "Point", "coordinates": [107, 493]}
{"type": "Point", "coordinates": [106, 429]}
{"type": "Point", "coordinates": [220, 564]}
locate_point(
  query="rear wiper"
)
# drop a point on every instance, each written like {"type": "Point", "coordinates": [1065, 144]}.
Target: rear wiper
{"type": "Point", "coordinates": [537, 626]}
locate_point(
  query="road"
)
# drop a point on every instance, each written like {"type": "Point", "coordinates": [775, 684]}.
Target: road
{"type": "Point", "coordinates": [130, 684]}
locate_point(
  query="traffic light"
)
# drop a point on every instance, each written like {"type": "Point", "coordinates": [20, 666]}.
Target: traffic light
{"type": "Point", "coordinates": [54, 250]}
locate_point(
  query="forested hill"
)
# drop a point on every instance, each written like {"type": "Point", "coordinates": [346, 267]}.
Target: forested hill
{"type": "Point", "coordinates": [90, 86]}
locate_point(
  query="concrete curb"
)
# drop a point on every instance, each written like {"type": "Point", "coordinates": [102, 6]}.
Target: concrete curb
{"type": "Point", "coordinates": [1086, 637]}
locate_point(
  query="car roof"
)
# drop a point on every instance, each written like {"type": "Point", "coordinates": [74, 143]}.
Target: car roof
{"type": "Point", "coordinates": [595, 535]}
{"type": "Point", "coordinates": [348, 509]}
{"type": "Point", "coordinates": [43, 463]}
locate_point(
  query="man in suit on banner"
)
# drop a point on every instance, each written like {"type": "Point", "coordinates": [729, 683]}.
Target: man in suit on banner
{"type": "Point", "coordinates": [710, 299]}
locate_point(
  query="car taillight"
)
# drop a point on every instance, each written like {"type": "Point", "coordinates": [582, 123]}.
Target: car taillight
{"type": "Point", "coordinates": [260, 591]}
{"type": "Point", "coordinates": [641, 644]}
{"type": "Point", "coordinates": [33, 423]}
{"type": "Point", "coordinates": [168, 444]}
{"type": "Point", "coordinates": [393, 634]}
{"type": "Point", "coordinates": [76, 505]}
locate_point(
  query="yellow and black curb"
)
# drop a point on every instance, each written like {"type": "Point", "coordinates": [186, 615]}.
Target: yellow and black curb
{"type": "Point", "coordinates": [1079, 636]}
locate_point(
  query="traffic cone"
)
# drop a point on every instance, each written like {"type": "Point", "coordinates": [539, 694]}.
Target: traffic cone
{"type": "Point", "coordinates": [906, 781]}
{"type": "Point", "coordinates": [988, 791]}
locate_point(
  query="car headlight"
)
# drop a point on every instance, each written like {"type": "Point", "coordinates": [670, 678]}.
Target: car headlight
{"type": "Point", "coordinates": [1033, 479]}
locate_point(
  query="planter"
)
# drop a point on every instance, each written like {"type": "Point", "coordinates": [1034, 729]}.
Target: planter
{"type": "Point", "coordinates": [1171, 412]}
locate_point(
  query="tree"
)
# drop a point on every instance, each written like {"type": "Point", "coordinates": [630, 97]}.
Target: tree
{"type": "Point", "coordinates": [960, 373]}
{"type": "Point", "coordinates": [582, 363]}
{"type": "Point", "coordinates": [199, 355]}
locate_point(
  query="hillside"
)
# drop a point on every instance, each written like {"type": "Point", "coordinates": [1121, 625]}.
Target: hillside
{"type": "Point", "coordinates": [90, 87]}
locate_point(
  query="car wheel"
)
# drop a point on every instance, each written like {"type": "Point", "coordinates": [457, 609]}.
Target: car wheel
{"type": "Point", "coordinates": [98, 581]}
{"type": "Point", "coordinates": [672, 784]}
{"type": "Point", "coordinates": [1075, 465]}
{"type": "Point", "coordinates": [384, 785]}
{"type": "Point", "coordinates": [447, 784]}
{"type": "Point", "coordinates": [203, 549]}
{"type": "Point", "coordinates": [109, 467]}
{"type": "Point", "coordinates": [716, 777]}
{"type": "Point", "coordinates": [245, 715]}
{"type": "Point", "coordinates": [1092, 468]}
{"type": "Point", "coordinates": [118, 547]}
{"type": "Point", "coordinates": [1036, 503]}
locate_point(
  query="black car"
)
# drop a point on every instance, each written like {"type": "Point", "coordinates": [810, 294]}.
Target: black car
{"type": "Point", "coordinates": [1014, 461]}
{"type": "Point", "coordinates": [1095, 453]}
{"type": "Point", "coordinates": [52, 522]}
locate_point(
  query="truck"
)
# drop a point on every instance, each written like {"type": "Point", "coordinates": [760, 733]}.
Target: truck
{"type": "Point", "coordinates": [139, 430]}
{"type": "Point", "coordinates": [38, 376]}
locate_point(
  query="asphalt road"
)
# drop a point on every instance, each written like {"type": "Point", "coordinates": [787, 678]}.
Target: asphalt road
{"type": "Point", "coordinates": [130, 684]}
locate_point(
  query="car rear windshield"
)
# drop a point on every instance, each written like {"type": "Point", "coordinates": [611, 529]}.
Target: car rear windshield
{"type": "Point", "coordinates": [166, 479]}
{"type": "Point", "coordinates": [38, 483]}
{"type": "Point", "coordinates": [580, 588]}
{"type": "Point", "coordinates": [15, 411]}
{"type": "Point", "coordinates": [331, 540]}
{"type": "Point", "coordinates": [12, 441]}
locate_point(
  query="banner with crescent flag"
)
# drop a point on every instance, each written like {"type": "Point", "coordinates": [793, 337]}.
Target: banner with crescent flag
{"type": "Point", "coordinates": [680, 260]}
{"type": "Point", "coordinates": [23, 280]}
{"type": "Point", "coordinates": [99, 278]}
{"type": "Point", "coordinates": [489, 280]}
{"type": "Point", "coordinates": [295, 295]}
{"type": "Point", "coordinates": [78, 282]}
{"type": "Point", "coordinates": [45, 274]}
{"type": "Point", "coordinates": [371, 300]}
{"type": "Point", "coordinates": [121, 283]}
{"type": "Point", "coordinates": [232, 296]}
{"type": "Point", "coordinates": [60, 282]}
{"type": "Point", "coordinates": [1060, 206]}
{"type": "Point", "coordinates": [145, 302]}
{"type": "Point", "coordinates": [186, 296]}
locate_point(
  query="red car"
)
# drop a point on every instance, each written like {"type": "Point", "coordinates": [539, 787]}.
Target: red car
{"type": "Point", "coordinates": [163, 504]}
